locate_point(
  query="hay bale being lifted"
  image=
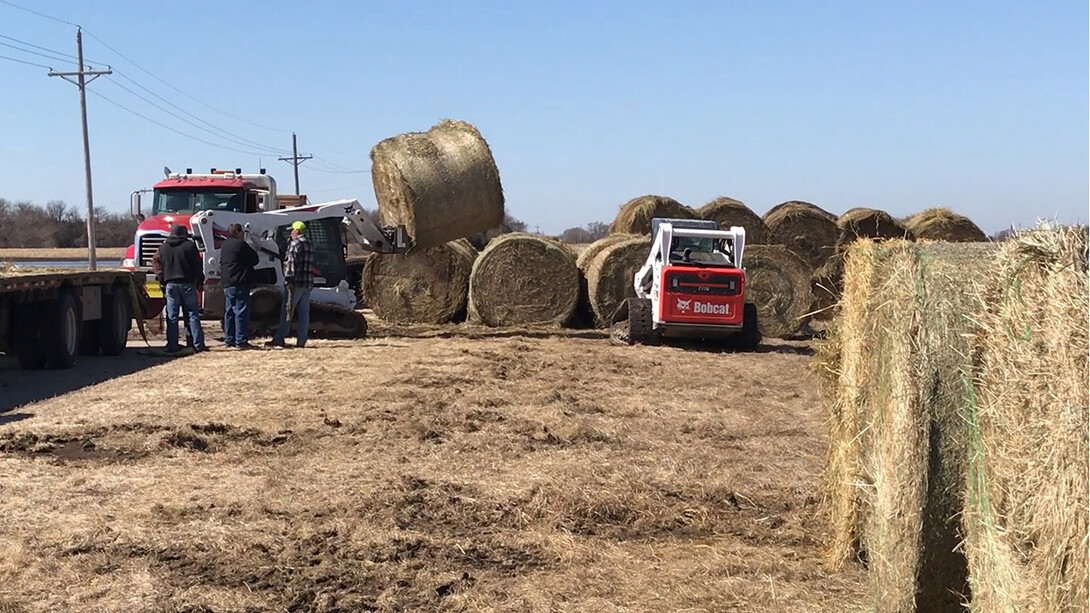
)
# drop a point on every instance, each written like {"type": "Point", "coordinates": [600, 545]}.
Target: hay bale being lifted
{"type": "Point", "coordinates": [524, 279]}
{"type": "Point", "coordinates": [1026, 508]}
{"type": "Point", "coordinates": [863, 222]}
{"type": "Point", "coordinates": [441, 185]}
{"type": "Point", "coordinates": [635, 215]}
{"type": "Point", "coordinates": [805, 229]}
{"type": "Point", "coordinates": [942, 224]}
{"type": "Point", "coordinates": [610, 276]}
{"type": "Point", "coordinates": [427, 286]}
{"type": "Point", "coordinates": [729, 212]}
{"type": "Point", "coordinates": [778, 283]}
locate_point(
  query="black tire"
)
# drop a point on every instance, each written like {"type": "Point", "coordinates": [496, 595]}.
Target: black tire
{"type": "Point", "coordinates": [90, 340]}
{"type": "Point", "coordinates": [27, 345]}
{"type": "Point", "coordinates": [116, 322]}
{"type": "Point", "coordinates": [641, 324]}
{"type": "Point", "coordinates": [62, 327]}
{"type": "Point", "coordinates": [750, 337]}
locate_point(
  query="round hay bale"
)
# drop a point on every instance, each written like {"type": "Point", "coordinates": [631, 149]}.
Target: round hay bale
{"type": "Point", "coordinates": [441, 185]}
{"type": "Point", "coordinates": [826, 286]}
{"type": "Point", "coordinates": [863, 222]}
{"type": "Point", "coordinates": [942, 224]}
{"type": "Point", "coordinates": [635, 215]}
{"type": "Point", "coordinates": [778, 282]}
{"type": "Point", "coordinates": [805, 229]}
{"type": "Point", "coordinates": [524, 279]}
{"type": "Point", "coordinates": [729, 212]}
{"type": "Point", "coordinates": [598, 246]}
{"type": "Point", "coordinates": [609, 276]}
{"type": "Point", "coordinates": [426, 286]}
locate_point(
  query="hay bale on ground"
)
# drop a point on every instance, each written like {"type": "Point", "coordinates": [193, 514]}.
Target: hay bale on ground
{"type": "Point", "coordinates": [584, 314]}
{"type": "Point", "coordinates": [863, 222]}
{"type": "Point", "coordinates": [524, 279]}
{"type": "Point", "coordinates": [1026, 510]}
{"type": "Point", "coordinates": [610, 276]}
{"type": "Point", "coordinates": [598, 246]}
{"type": "Point", "coordinates": [428, 286]}
{"type": "Point", "coordinates": [942, 224]}
{"type": "Point", "coordinates": [805, 229]}
{"type": "Point", "coordinates": [897, 449]}
{"type": "Point", "coordinates": [778, 282]}
{"type": "Point", "coordinates": [635, 215]}
{"type": "Point", "coordinates": [729, 212]}
{"type": "Point", "coordinates": [442, 184]}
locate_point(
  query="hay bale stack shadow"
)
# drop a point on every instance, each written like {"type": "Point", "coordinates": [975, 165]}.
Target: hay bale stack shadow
{"type": "Point", "coordinates": [728, 212]}
{"type": "Point", "coordinates": [635, 215]}
{"type": "Point", "coordinates": [805, 229]}
{"type": "Point", "coordinates": [610, 275]}
{"type": "Point", "coordinates": [1026, 509]}
{"type": "Point", "coordinates": [942, 224]}
{"type": "Point", "coordinates": [441, 185]}
{"type": "Point", "coordinates": [426, 286]}
{"type": "Point", "coordinates": [524, 280]}
{"type": "Point", "coordinates": [778, 283]}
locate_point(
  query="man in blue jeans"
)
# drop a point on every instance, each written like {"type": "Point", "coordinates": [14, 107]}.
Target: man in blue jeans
{"type": "Point", "coordinates": [181, 273]}
{"type": "Point", "coordinates": [298, 282]}
{"type": "Point", "coordinates": [237, 261]}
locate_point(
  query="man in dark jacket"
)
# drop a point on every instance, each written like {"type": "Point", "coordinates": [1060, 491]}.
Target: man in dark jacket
{"type": "Point", "coordinates": [181, 272]}
{"type": "Point", "coordinates": [237, 261]}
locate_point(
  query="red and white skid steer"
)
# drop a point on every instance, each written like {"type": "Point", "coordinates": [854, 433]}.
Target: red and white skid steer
{"type": "Point", "coordinates": [691, 286]}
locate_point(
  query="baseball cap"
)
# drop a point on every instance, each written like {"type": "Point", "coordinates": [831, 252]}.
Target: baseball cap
{"type": "Point", "coordinates": [298, 225]}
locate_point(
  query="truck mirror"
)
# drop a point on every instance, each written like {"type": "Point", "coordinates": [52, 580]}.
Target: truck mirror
{"type": "Point", "coordinates": [134, 205]}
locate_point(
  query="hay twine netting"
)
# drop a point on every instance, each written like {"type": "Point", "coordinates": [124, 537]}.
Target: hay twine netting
{"type": "Point", "coordinates": [728, 212]}
{"type": "Point", "coordinates": [428, 286]}
{"type": "Point", "coordinates": [635, 215]}
{"type": "Point", "coordinates": [441, 185]}
{"type": "Point", "coordinates": [524, 279]}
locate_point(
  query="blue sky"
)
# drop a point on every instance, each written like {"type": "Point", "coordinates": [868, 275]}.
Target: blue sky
{"type": "Point", "coordinates": [980, 106]}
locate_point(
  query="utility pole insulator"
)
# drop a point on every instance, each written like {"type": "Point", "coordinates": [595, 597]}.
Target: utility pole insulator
{"type": "Point", "coordinates": [81, 82]}
{"type": "Point", "coordinates": [295, 160]}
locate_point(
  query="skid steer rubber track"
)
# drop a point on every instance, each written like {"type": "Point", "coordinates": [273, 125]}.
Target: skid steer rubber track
{"type": "Point", "coordinates": [641, 325]}
{"type": "Point", "coordinates": [331, 321]}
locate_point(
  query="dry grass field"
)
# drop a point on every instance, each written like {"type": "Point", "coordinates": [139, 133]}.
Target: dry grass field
{"type": "Point", "coordinates": [15, 254]}
{"type": "Point", "coordinates": [452, 468]}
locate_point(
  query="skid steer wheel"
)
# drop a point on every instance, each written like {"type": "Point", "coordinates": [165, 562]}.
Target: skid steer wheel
{"type": "Point", "coordinates": [750, 337]}
{"type": "Point", "coordinates": [641, 324]}
{"type": "Point", "coordinates": [61, 333]}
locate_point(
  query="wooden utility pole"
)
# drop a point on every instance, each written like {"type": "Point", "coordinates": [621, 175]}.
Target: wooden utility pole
{"type": "Point", "coordinates": [81, 82]}
{"type": "Point", "coordinates": [295, 160]}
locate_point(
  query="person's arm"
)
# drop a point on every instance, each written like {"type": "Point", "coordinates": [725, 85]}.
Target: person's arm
{"type": "Point", "coordinates": [194, 258]}
{"type": "Point", "coordinates": [157, 266]}
{"type": "Point", "coordinates": [249, 256]}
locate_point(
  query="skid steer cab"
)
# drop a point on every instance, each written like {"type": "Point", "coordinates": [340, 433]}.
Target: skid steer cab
{"type": "Point", "coordinates": [692, 286]}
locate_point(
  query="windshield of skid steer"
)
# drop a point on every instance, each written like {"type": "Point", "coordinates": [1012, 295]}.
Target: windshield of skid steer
{"type": "Point", "coordinates": [716, 252]}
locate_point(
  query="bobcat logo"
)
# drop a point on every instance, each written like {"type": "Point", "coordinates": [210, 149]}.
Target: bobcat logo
{"type": "Point", "coordinates": [683, 305]}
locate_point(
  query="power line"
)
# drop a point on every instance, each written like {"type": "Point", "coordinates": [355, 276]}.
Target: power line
{"type": "Point", "coordinates": [4, 57]}
{"type": "Point", "coordinates": [37, 53]}
{"type": "Point", "coordinates": [23, 8]}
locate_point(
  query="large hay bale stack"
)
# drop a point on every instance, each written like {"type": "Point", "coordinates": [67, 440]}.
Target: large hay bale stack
{"type": "Point", "coordinates": [729, 212]}
{"type": "Point", "coordinates": [442, 184]}
{"type": "Point", "coordinates": [593, 249]}
{"type": "Point", "coordinates": [1026, 510]}
{"type": "Point", "coordinates": [805, 229]}
{"type": "Point", "coordinates": [524, 279]}
{"type": "Point", "coordinates": [863, 222]}
{"type": "Point", "coordinates": [427, 286]}
{"type": "Point", "coordinates": [942, 224]}
{"type": "Point", "coordinates": [610, 276]}
{"type": "Point", "coordinates": [778, 283]}
{"type": "Point", "coordinates": [635, 215]}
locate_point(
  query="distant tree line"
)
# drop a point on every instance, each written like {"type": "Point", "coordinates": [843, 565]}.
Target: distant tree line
{"type": "Point", "coordinates": [24, 224]}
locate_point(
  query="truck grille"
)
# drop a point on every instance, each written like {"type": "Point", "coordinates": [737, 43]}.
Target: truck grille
{"type": "Point", "coordinates": [147, 245]}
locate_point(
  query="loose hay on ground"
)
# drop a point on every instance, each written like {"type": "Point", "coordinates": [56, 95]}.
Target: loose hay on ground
{"type": "Point", "coordinates": [425, 286]}
{"type": "Point", "coordinates": [610, 276]}
{"type": "Point", "coordinates": [729, 212]}
{"type": "Point", "coordinates": [524, 279]}
{"type": "Point", "coordinates": [635, 215]}
{"type": "Point", "coordinates": [1026, 513]}
{"type": "Point", "coordinates": [804, 228]}
{"type": "Point", "coordinates": [442, 184]}
{"type": "Point", "coordinates": [778, 282]}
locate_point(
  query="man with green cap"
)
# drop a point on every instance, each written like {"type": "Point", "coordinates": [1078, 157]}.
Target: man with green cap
{"type": "Point", "coordinates": [298, 282]}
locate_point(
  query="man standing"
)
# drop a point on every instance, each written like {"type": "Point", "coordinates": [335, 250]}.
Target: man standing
{"type": "Point", "coordinates": [181, 273]}
{"type": "Point", "coordinates": [237, 261]}
{"type": "Point", "coordinates": [298, 281]}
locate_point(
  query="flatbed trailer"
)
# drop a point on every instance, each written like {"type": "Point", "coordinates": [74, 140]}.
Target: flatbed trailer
{"type": "Point", "coordinates": [49, 318]}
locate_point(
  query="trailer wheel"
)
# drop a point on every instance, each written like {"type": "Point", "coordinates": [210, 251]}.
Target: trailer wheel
{"type": "Point", "coordinates": [27, 346]}
{"type": "Point", "coordinates": [62, 326]}
{"type": "Point", "coordinates": [116, 322]}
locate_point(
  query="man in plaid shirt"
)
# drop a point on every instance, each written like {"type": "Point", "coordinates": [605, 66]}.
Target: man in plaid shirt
{"type": "Point", "coordinates": [298, 282]}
